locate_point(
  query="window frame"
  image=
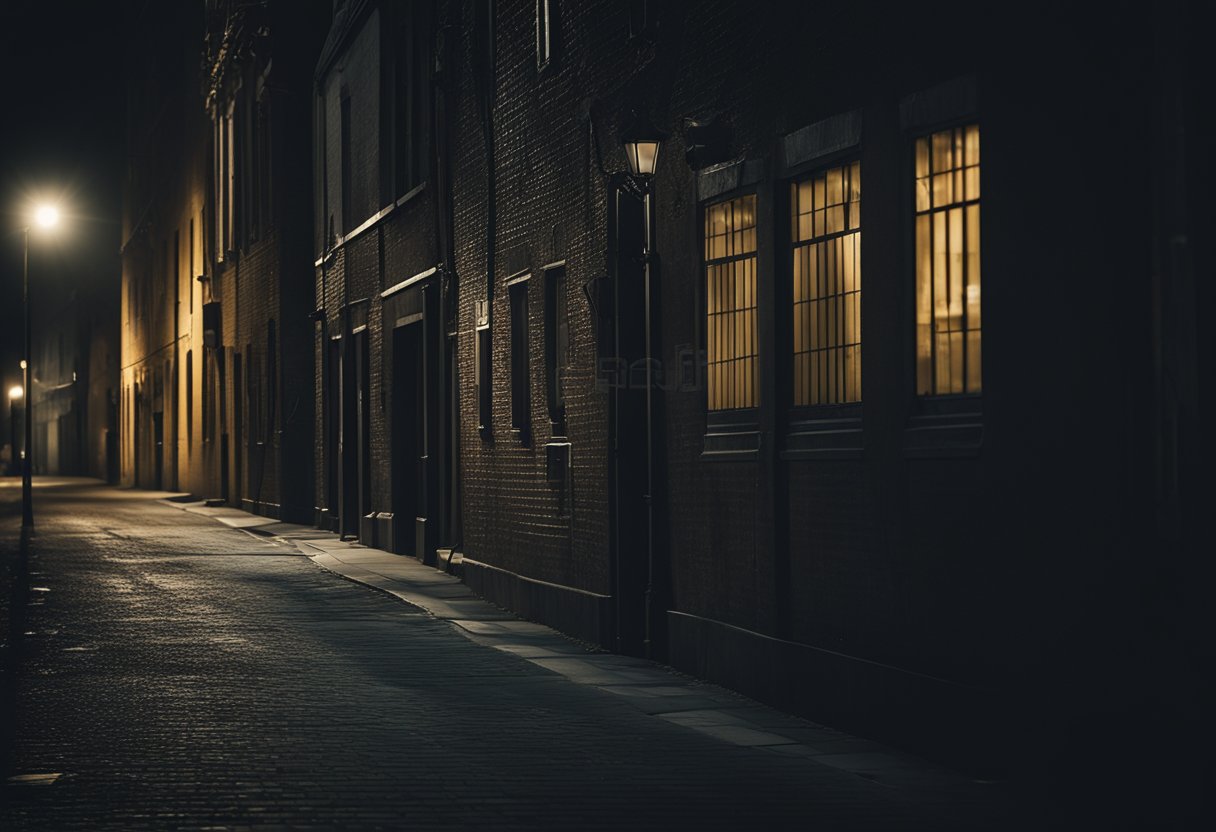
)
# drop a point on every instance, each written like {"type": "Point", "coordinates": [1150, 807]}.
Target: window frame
{"type": "Point", "coordinates": [821, 431]}
{"type": "Point", "coordinates": [950, 424]}
{"type": "Point", "coordinates": [734, 432]}
{"type": "Point", "coordinates": [520, 356]}
{"type": "Point", "coordinates": [912, 137]}
{"type": "Point", "coordinates": [483, 369]}
{"type": "Point", "coordinates": [558, 350]}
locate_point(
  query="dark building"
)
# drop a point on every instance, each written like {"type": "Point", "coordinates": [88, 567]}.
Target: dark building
{"type": "Point", "coordinates": [75, 373]}
{"type": "Point", "coordinates": [217, 388]}
{"type": "Point", "coordinates": [162, 250]}
{"type": "Point", "coordinates": [256, 370]}
{"type": "Point", "coordinates": [933, 499]}
{"type": "Point", "coordinates": [386, 461]}
{"type": "Point", "coordinates": [907, 550]}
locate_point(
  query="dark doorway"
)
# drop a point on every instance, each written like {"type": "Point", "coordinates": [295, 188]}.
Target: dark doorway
{"type": "Point", "coordinates": [409, 439]}
{"type": "Point", "coordinates": [238, 426]}
{"type": "Point", "coordinates": [158, 450]}
{"type": "Point", "coordinates": [348, 490]}
{"type": "Point", "coordinates": [333, 420]}
{"type": "Point", "coordinates": [356, 434]}
{"type": "Point", "coordinates": [364, 407]}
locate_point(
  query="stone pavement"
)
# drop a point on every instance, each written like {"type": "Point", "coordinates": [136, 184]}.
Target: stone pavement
{"type": "Point", "coordinates": [184, 667]}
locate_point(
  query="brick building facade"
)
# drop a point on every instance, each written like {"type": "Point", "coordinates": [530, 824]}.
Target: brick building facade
{"type": "Point", "coordinates": [217, 381]}
{"type": "Point", "coordinates": [667, 414]}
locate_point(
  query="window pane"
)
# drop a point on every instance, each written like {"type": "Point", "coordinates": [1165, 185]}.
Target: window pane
{"type": "Point", "coordinates": [730, 301]}
{"type": "Point", "coordinates": [829, 265]}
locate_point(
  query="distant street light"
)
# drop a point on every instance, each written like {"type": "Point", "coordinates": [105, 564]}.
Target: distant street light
{"type": "Point", "coordinates": [47, 216]}
{"type": "Point", "coordinates": [14, 393]}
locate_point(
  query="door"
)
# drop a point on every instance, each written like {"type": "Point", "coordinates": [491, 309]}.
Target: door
{"type": "Point", "coordinates": [158, 450]}
{"type": "Point", "coordinates": [408, 438]}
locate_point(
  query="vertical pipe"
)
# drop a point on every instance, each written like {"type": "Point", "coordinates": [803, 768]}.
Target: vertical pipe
{"type": "Point", "coordinates": [646, 259]}
{"type": "Point", "coordinates": [27, 495]}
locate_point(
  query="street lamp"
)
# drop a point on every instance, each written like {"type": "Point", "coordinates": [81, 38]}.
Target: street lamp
{"type": "Point", "coordinates": [46, 216]}
{"type": "Point", "coordinates": [641, 141]}
{"type": "Point", "coordinates": [14, 393]}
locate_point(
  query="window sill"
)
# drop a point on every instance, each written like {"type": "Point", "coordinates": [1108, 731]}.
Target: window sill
{"type": "Point", "coordinates": [523, 436]}
{"type": "Point", "coordinates": [838, 436]}
{"type": "Point", "coordinates": [945, 427]}
{"type": "Point", "coordinates": [732, 437]}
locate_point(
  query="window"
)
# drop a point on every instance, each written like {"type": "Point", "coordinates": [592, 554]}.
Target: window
{"type": "Point", "coordinates": [521, 387]}
{"type": "Point", "coordinates": [481, 372]}
{"type": "Point", "coordinates": [408, 108]}
{"type": "Point", "coordinates": [826, 232]}
{"type": "Point", "coordinates": [730, 299]}
{"type": "Point", "coordinates": [347, 208]}
{"type": "Point", "coordinates": [948, 357]}
{"type": "Point", "coordinates": [557, 346]}
{"type": "Point", "coordinates": [521, 399]}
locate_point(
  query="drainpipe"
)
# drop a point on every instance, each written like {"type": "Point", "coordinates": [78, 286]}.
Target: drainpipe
{"type": "Point", "coordinates": [647, 257]}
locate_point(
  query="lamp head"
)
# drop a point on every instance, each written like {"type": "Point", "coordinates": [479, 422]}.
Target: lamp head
{"type": "Point", "coordinates": [16, 391]}
{"type": "Point", "coordinates": [641, 141]}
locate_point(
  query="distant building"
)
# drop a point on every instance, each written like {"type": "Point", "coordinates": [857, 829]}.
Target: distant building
{"type": "Point", "coordinates": [217, 392]}
{"type": "Point", "coordinates": [163, 252]}
{"type": "Point", "coordinates": [255, 369]}
{"type": "Point", "coordinates": [385, 420]}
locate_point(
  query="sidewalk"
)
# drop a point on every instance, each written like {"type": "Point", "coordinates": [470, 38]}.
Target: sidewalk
{"type": "Point", "coordinates": [650, 687]}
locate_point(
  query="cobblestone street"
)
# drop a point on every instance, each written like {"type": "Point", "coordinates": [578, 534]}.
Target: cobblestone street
{"type": "Point", "coordinates": [170, 672]}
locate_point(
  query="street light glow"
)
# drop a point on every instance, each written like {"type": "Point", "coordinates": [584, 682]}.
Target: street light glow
{"type": "Point", "coordinates": [47, 216]}
{"type": "Point", "coordinates": [16, 391]}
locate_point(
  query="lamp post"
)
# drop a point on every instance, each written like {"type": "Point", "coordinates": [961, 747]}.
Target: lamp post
{"type": "Point", "coordinates": [15, 392]}
{"type": "Point", "coordinates": [641, 141]}
{"type": "Point", "coordinates": [46, 216]}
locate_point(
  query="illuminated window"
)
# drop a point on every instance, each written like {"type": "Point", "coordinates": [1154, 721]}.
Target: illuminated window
{"type": "Point", "coordinates": [826, 232]}
{"type": "Point", "coordinates": [948, 357]}
{"type": "Point", "coordinates": [732, 379]}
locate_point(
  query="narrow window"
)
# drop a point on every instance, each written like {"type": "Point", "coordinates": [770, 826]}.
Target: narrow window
{"type": "Point", "coordinates": [544, 32]}
{"type": "Point", "coordinates": [347, 208]}
{"type": "Point", "coordinates": [405, 108]}
{"type": "Point", "coordinates": [190, 281]}
{"type": "Point", "coordinates": [732, 380]}
{"type": "Point", "coordinates": [948, 356]}
{"type": "Point", "coordinates": [557, 346]}
{"type": "Point", "coordinates": [826, 234]}
{"type": "Point", "coordinates": [521, 400]}
{"type": "Point", "coordinates": [229, 179]}
{"type": "Point", "coordinates": [481, 372]}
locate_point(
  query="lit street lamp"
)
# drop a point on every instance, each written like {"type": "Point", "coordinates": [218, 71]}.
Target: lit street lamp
{"type": "Point", "coordinates": [641, 141]}
{"type": "Point", "coordinates": [46, 216]}
{"type": "Point", "coordinates": [14, 393]}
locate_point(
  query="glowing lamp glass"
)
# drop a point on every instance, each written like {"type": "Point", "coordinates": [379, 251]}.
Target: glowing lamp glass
{"type": "Point", "coordinates": [47, 216]}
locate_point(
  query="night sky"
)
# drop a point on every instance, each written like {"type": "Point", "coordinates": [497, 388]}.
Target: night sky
{"type": "Point", "coordinates": [60, 138]}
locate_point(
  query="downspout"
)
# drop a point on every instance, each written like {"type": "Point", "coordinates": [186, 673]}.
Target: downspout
{"type": "Point", "coordinates": [320, 313]}
{"type": "Point", "coordinates": [450, 293]}
{"type": "Point", "coordinates": [647, 257]}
